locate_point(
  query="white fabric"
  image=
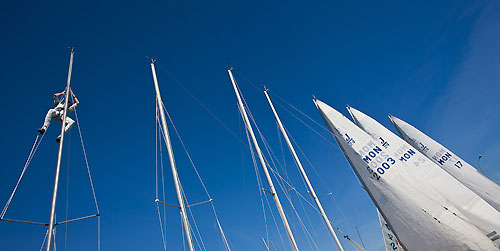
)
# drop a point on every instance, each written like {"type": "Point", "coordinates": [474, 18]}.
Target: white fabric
{"type": "Point", "coordinates": [420, 217]}
{"type": "Point", "coordinates": [450, 162]}
{"type": "Point", "coordinates": [475, 210]}
{"type": "Point", "coordinates": [390, 241]}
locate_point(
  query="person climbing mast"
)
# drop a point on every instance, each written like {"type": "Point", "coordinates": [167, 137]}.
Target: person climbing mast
{"type": "Point", "coordinates": [57, 112]}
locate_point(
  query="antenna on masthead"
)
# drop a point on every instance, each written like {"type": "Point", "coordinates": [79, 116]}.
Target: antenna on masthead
{"type": "Point", "coordinates": [153, 60]}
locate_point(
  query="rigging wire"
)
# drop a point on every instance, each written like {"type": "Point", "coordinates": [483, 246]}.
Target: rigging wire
{"type": "Point", "coordinates": [201, 103]}
{"type": "Point", "coordinates": [283, 180]}
{"type": "Point", "coordinates": [185, 149]}
{"type": "Point", "coordinates": [241, 141]}
{"type": "Point", "coordinates": [36, 143]}
{"type": "Point", "coordinates": [156, 148]}
{"type": "Point", "coordinates": [67, 197]}
{"type": "Point", "coordinates": [183, 237]}
{"type": "Point", "coordinates": [86, 161]}
{"type": "Point", "coordinates": [91, 183]}
{"type": "Point", "coordinates": [162, 173]}
{"type": "Point", "coordinates": [321, 178]}
{"type": "Point", "coordinates": [33, 150]}
{"type": "Point", "coordinates": [260, 89]}
{"type": "Point", "coordinates": [303, 114]}
{"type": "Point", "coordinates": [157, 136]}
{"type": "Point", "coordinates": [161, 228]}
{"type": "Point", "coordinates": [197, 233]}
{"type": "Point", "coordinates": [197, 174]}
{"type": "Point", "coordinates": [261, 187]}
{"type": "Point", "coordinates": [54, 234]}
{"type": "Point", "coordinates": [308, 126]}
{"type": "Point", "coordinates": [44, 239]}
{"type": "Point", "coordinates": [307, 159]}
{"type": "Point", "coordinates": [268, 164]}
{"type": "Point", "coordinates": [242, 154]}
{"type": "Point", "coordinates": [282, 151]}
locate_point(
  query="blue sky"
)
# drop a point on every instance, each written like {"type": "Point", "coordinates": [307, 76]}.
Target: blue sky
{"type": "Point", "coordinates": [432, 64]}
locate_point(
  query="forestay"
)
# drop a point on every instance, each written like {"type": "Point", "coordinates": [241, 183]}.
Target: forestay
{"type": "Point", "coordinates": [472, 207]}
{"type": "Point", "coordinates": [450, 162]}
{"type": "Point", "coordinates": [419, 216]}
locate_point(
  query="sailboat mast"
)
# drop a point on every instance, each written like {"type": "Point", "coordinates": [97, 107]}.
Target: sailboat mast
{"type": "Point", "coordinates": [263, 164]}
{"type": "Point", "coordinates": [304, 175]}
{"type": "Point", "coordinates": [177, 183]}
{"type": "Point", "coordinates": [59, 156]}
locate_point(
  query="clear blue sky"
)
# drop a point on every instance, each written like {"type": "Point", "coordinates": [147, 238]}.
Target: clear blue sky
{"type": "Point", "coordinates": [433, 64]}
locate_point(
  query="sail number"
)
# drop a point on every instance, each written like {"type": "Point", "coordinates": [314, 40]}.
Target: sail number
{"type": "Point", "coordinates": [378, 160]}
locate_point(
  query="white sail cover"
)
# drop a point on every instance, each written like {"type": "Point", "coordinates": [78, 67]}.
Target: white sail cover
{"type": "Point", "coordinates": [472, 207]}
{"type": "Point", "coordinates": [450, 162]}
{"type": "Point", "coordinates": [390, 241]}
{"type": "Point", "coordinates": [419, 216]}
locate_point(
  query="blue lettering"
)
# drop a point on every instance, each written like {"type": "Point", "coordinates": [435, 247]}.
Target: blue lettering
{"type": "Point", "coordinates": [385, 165]}
{"type": "Point", "coordinates": [367, 159]}
{"type": "Point", "coordinates": [391, 160]}
{"type": "Point", "coordinates": [377, 149]}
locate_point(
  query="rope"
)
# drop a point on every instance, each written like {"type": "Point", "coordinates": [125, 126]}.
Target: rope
{"type": "Point", "coordinates": [26, 164]}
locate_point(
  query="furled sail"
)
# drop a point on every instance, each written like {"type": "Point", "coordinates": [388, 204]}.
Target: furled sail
{"type": "Point", "coordinates": [390, 241]}
{"type": "Point", "coordinates": [450, 162]}
{"type": "Point", "coordinates": [419, 216]}
{"type": "Point", "coordinates": [472, 207]}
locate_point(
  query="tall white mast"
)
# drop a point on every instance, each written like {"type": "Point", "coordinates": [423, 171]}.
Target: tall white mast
{"type": "Point", "coordinates": [58, 168]}
{"type": "Point", "coordinates": [304, 175]}
{"type": "Point", "coordinates": [177, 183]}
{"type": "Point", "coordinates": [263, 164]}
